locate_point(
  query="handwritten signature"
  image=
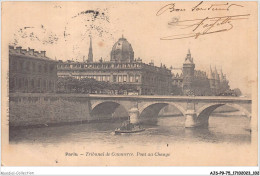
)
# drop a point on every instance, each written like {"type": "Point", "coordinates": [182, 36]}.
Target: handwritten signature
{"type": "Point", "coordinates": [201, 6]}
{"type": "Point", "coordinates": [208, 25]}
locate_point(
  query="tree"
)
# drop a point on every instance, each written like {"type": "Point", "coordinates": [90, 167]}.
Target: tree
{"type": "Point", "coordinates": [87, 85]}
{"type": "Point", "coordinates": [237, 92]}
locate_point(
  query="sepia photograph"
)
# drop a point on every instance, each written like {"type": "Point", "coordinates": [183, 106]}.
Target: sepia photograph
{"type": "Point", "coordinates": [161, 83]}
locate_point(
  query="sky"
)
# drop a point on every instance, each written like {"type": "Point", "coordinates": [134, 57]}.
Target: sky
{"type": "Point", "coordinates": [62, 29]}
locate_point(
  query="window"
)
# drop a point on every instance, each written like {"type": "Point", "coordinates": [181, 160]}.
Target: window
{"type": "Point", "coordinates": [120, 78]}
{"type": "Point", "coordinates": [51, 68]}
{"type": "Point", "coordinates": [26, 84]}
{"type": "Point", "coordinates": [20, 83]}
{"type": "Point", "coordinates": [14, 65]}
{"type": "Point", "coordinates": [50, 85]}
{"type": "Point", "coordinates": [124, 78]}
{"type": "Point", "coordinates": [11, 84]}
{"type": "Point", "coordinates": [131, 78]}
{"type": "Point", "coordinates": [39, 83]}
{"type": "Point", "coordinates": [104, 78]}
{"type": "Point", "coordinates": [39, 68]}
{"type": "Point", "coordinates": [108, 78]}
{"type": "Point", "coordinates": [21, 65]}
{"type": "Point", "coordinates": [114, 78]}
{"type": "Point", "coordinates": [33, 67]}
{"type": "Point", "coordinates": [32, 84]}
{"type": "Point", "coordinates": [137, 78]}
{"type": "Point", "coordinates": [15, 82]}
{"type": "Point", "coordinates": [45, 68]}
{"type": "Point", "coordinates": [44, 84]}
{"type": "Point", "coordinates": [28, 64]}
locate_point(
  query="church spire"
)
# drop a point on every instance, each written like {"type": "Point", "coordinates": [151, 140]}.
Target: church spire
{"type": "Point", "coordinates": [90, 52]}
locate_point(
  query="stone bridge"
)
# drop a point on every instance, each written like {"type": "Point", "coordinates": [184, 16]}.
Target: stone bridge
{"type": "Point", "coordinates": [195, 109]}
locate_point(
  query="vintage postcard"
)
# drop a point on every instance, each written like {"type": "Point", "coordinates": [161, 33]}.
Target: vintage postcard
{"type": "Point", "coordinates": [163, 83]}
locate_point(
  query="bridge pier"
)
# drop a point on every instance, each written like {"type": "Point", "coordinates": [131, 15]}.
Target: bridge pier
{"type": "Point", "coordinates": [190, 119]}
{"type": "Point", "coordinates": [134, 115]}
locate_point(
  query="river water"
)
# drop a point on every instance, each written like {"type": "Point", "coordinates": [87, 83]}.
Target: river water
{"type": "Point", "coordinates": [222, 129]}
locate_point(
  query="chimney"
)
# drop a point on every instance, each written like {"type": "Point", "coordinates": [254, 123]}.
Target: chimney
{"type": "Point", "coordinates": [36, 53]}
{"type": "Point", "coordinates": [31, 51]}
{"type": "Point", "coordinates": [43, 53]}
{"type": "Point", "coordinates": [23, 51]}
{"type": "Point", "coordinates": [139, 60]}
{"type": "Point", "coordinates": [18, 49]}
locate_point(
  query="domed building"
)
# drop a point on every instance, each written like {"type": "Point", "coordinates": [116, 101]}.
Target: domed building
{"type": "Point", "coordinates": [122, 69]}
{"type": "Point", "coordinates": [122, 51]}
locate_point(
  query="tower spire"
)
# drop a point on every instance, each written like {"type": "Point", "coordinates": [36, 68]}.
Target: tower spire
{"type": "Point", "coordinates": [221, 75]}
{"type": "Point", "coordinates": [211, 73]}
{"type": "Point", "coordinates": [188, 57]}
{"type": "Point", "coordinates": [216, 73]}
{"type": "Point", "coordinates": [90, 52]}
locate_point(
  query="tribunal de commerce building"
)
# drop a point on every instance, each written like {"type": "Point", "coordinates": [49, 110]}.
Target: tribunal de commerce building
{"type": "Point", "coordinates": [122, 68]}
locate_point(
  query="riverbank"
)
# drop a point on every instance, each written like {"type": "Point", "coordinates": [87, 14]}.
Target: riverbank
{"type": "Point", "coordinates": [111, 120]}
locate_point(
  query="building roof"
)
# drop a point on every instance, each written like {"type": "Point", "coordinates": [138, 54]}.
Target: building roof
{"type": "Point", "coordinates": [31, 53]}
{"type": "Point", "coordinates": [123, 45]}
{"type": "Point", "coordinates": [122, 50]}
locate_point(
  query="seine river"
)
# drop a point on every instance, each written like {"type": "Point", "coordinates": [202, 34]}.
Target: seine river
{"type": "Point", "coordinates": [222, 129]}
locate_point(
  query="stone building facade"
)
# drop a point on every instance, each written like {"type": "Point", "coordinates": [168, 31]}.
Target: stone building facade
{"type": "Point", "coordinates": [31, 71]}
{"type": "Point", "coordinates": [121, 69]}
{"type": "Point", "coordinates": [218, 82]}
{"type": "Point", "coordinates": [197, 82]}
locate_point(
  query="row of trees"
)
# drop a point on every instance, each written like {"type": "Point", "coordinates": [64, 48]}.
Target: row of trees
{"type": "Point", "coordinates": [91, 86]}
{"type": "Point", "coordinates": [87, 85]}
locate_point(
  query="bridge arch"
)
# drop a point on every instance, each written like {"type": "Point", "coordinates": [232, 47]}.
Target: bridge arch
{"type": "Point", "coordinates": [153, 108]}
{"type": "Point", "coordinates": [206, 110]}
{"type": "Point", "coordinates": [106, 109]}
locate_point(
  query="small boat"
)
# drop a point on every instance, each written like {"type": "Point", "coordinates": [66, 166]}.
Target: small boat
{"type": "Point", "coordinates": [128, 127]}
{"type": "Point", "coordinates": [119, 131]}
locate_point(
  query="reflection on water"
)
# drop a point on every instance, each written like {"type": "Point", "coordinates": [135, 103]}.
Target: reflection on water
{"type": "Point", "coordinates": [167, 130]}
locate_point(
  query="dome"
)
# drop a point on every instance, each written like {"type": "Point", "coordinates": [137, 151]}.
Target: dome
{"type": "Point", "coordinates": [122, 51]}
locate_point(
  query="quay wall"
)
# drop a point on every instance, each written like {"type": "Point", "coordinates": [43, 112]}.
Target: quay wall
{"type": "Point", "coordinates": [27, 109]}
{"type": "Point", "coordinates": [40, 110]}
{"type": "Point", "coordinates": [36, 113]}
